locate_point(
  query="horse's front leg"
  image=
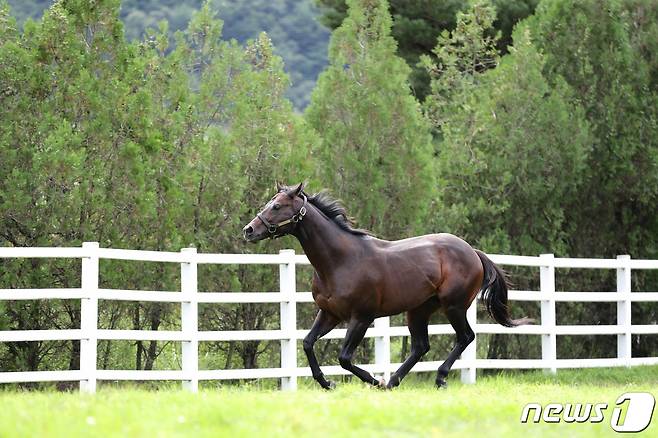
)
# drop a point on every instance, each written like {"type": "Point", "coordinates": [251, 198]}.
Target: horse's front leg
{"type": "Point", "coordinates": [322, 325]}
{"type": "Point", "coordinates": [356, 330]}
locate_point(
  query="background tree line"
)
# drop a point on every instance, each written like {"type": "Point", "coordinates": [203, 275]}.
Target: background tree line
{"type": "Point", "coordinates": [539, 137]}
{"type": "Point", "coordinates": [291, 24]}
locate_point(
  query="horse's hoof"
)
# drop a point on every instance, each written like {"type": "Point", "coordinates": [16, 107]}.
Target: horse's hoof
{"type": "Point", "coordinates": [382, 384]}
{"type": "Point", "coordinates": [441, 384]}
{"type": "Point", "coordinates": [393, 383]}
{"type": "Point", "coordinates": [330, 385]}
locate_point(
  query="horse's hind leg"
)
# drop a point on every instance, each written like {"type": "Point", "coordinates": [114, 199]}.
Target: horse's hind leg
{"type": "Point", "coordinates": [457, 316]}
{"type": "Point", "coordinates": [417, 320]}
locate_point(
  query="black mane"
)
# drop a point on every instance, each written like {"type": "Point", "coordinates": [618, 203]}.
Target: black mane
{"type": "Point", "coordinates": [334, 210]}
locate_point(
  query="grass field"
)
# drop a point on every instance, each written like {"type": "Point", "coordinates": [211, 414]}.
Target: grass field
{"type": "Point", "coordinates": [491, 408]}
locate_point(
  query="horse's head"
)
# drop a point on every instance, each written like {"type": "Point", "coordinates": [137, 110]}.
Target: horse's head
{"type": "Point", "coordinates": [279, 216]}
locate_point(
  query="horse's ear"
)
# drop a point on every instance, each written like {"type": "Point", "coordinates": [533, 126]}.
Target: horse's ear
{"type": "Point", "coordinates": [278, 186]}
{"type": "Point", "coordinates": [299, 188]}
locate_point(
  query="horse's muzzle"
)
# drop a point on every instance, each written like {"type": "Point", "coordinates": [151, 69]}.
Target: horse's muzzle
{"type": "Point", "coordinates": [250, 235]}
{"type": "Point", "coordinates": [247, 233]}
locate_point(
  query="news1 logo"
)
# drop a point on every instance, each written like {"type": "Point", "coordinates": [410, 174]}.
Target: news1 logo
{"type": "Point", "coordinates": [637, 407]}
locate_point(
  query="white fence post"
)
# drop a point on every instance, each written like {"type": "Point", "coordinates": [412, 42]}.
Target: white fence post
{"type": "Point", "coordinates": [190, 320]}
{"type": "Point", "coordinates": [383, 346]}
{"type": "Point", "coordinates": [89, 317]}
{"type": "Point", "coordinates": [624, 351]}
{"type": "Point", "coordinates": [288, 288]}
{"type": "Point", "coordinates": [469, 355]}
{"type": "Point", "coordinates": [548, 340]}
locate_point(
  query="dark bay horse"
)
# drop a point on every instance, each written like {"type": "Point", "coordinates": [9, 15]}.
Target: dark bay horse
{"type": "Point", "coordinates": [359, 278]}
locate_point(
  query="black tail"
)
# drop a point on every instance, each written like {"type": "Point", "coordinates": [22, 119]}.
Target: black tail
{"type": "Point", "coordinates": [494, 293]}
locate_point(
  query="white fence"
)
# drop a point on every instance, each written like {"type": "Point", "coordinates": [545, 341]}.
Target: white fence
{"type": "Point", "coordinates": [89, 293]}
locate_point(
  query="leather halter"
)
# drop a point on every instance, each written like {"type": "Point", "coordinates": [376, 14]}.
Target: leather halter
{"type": "Point", "coordinates": [297, 217]}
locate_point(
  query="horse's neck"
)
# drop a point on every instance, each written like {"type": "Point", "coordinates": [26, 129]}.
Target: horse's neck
{"type": "Point", "coordinates": [325, 244]}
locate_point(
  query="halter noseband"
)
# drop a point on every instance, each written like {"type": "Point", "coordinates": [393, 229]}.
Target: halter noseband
{"type": "Point", "coordinates": [297, 217]}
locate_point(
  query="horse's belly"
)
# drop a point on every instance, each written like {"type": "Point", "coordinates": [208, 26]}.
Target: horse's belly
{"type": "Point", "coordinates": [398, 303]}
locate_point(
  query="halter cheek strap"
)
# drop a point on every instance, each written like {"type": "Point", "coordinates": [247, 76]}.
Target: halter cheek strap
{"type": "Point", "coordinates": [297, 217]}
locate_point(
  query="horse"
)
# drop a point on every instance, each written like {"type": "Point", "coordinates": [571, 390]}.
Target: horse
{"type": "Point", "coordinates": [358, 277]}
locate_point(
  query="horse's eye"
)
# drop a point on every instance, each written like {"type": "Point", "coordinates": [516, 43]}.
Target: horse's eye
{"type": "Point", "coordinates": [276, 206]}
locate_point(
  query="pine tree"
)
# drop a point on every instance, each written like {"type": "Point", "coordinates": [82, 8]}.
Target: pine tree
{"type": "Point", "coordinates": [589, 44]}
{"type": "Point", "coordinates": [376, 146]}
{"type": "Point", "coordinates": [513, 147]}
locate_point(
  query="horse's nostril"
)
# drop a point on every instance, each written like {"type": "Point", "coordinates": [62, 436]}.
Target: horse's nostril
{"type": "Point", "coordinates": [248, 230]}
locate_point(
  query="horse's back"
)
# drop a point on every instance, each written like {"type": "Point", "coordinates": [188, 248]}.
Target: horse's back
{"type": "Point", "coordinates": [439, 244]}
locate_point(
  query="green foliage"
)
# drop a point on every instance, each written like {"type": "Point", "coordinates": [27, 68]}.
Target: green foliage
{"type": "Point", "coordinates": [139, 146]}
{"type": "Point", "coordinates": [513, 147]}
{"type": "Point", "coordinates": [376, 144]}
{"type": "Point", "coordinates": [591, 47]}
{"type": "Point", "coordinates": [291, 24]}
{"type": "Point", "coordinates": [604, 51]}
{"type": "Point", "coordinates": [642, 22]}
{"type": "Point", "coordinates": [418, 23]}
{"type": "Point", "coordinates": [553, 150]}
{"type": "Point", "coordinates": [461, 58]}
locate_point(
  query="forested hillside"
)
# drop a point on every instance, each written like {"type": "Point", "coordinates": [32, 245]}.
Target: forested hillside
{"type": "Point", "coordinates": [293, 26]}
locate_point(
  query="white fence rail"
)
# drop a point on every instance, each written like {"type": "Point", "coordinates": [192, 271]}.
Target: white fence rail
{"type": "Point", "coordinates": [89, 293]}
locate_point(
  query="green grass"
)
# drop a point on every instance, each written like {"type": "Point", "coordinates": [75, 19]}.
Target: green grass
{"type": "Point", "coordinates": [490, 408]}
